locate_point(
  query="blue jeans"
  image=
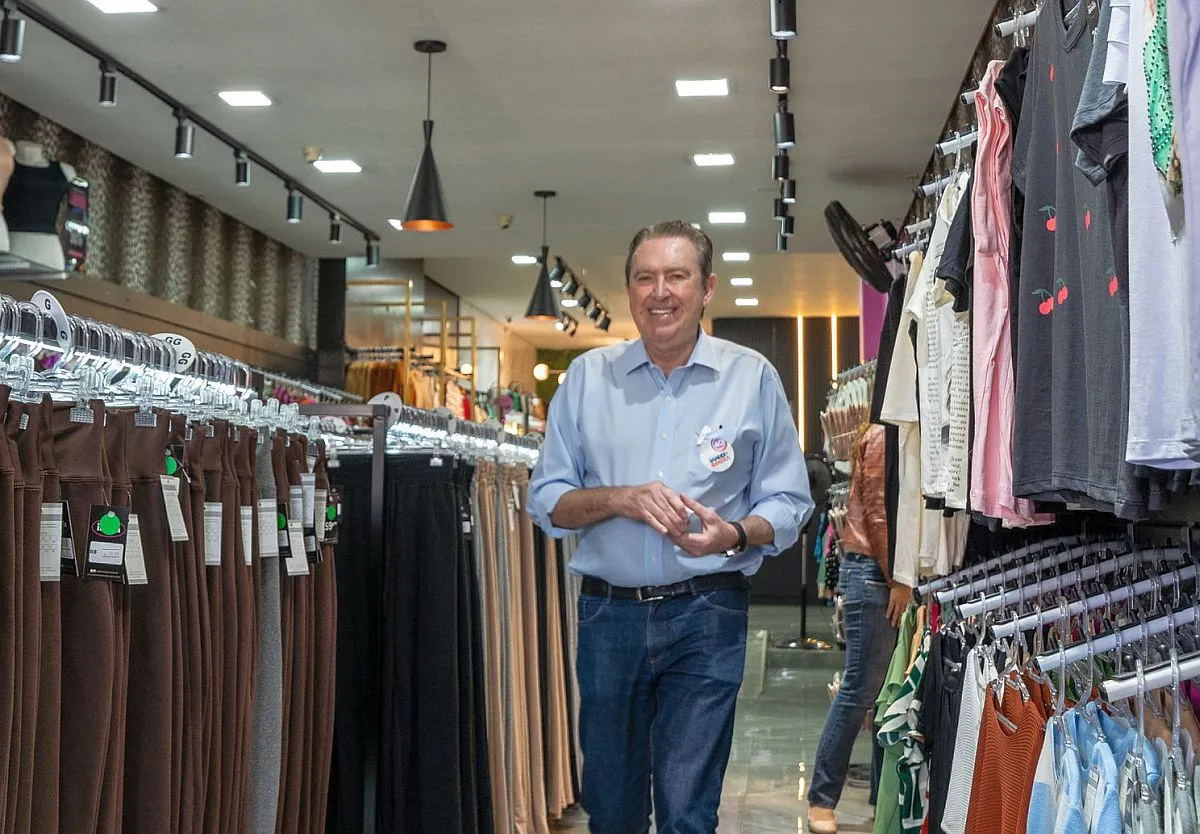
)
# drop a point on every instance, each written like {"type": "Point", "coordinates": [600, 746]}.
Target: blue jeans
{"type": "Point", "coordinates": [870, 640]}
{"type": "Point", "coordinates": [658, 682]}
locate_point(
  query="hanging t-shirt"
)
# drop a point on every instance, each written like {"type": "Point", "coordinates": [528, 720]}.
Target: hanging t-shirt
{"type": "Point", "coordinates": [1072, 366]}
{"type": "Point", "coordinates": [1042, 799]}
{"type": "Point", "coordinates": [1183, 32]}
{"type": "Point", "coordinates": [1158, 327]}
{"type": "Point", "coordinates": [978, 672]}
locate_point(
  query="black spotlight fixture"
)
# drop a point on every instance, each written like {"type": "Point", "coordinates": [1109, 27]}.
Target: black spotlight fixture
{"type": "Point", "coordinates": [572, 327]}
{"type": "Point", "coordinates": [781, 69]}
{"type": "Point", "coordinates": [295, 205]}
{"type": "Point", "coordinates": [12, 34]}
{"type": "Point", "coordinates": [335, 229]}
{"type": "Point", "coordinates": [605, 321]}
{"type": "Point", "coordinates": [185, 136]}
{"type": "Point", "coordinates": [241, 166]}
{"type": "Point", "coordinates": [781, 209]}
{"type": "Point", "coordinates": [426, 211]}
{"type": "Point", "coordinates": [785, 125]}
{"type": "Point", "coordinates": [556, 274]}
{"type": "Point", "coordinates": [571, 285]}
{"type": "Point", "coordinates": [372, 253]}
{"type": "Point", "coordinates": [781, 242]}
{"type": "Point", "coordinates": [783, 19]}
{"type": "Point", "coordinates": [787, 225]}
{"type": "Point", "coordinates": [780, 166]}
{"type": "Point", "coordinates": [585, 300]}
{"type": "Point", "coordinates": [108, 85]}
{"type": "Point", "coordinates": [789, 191]}
{"type": "Point", "coordinates": [596, 312]}
{"type": "Point", "coordinates": [542, 305]}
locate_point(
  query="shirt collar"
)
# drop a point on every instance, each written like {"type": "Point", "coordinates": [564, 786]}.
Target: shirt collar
{"type": "Point", "coordinates": [635, 356]}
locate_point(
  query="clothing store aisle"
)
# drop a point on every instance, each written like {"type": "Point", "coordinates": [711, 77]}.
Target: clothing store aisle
{"type": "Point", "coordinates": [780, 714]}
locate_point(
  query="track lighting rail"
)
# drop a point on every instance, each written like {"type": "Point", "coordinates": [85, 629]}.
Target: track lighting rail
{"type": "Point", "coordinates": [53, 25]}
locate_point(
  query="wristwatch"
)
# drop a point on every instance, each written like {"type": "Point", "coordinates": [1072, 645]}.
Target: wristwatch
{"type": "Point", "coordinates": [739, 548]}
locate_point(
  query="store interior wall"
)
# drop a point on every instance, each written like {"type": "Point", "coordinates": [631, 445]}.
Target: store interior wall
{"type": "Point", "coordinates": [155, 240]}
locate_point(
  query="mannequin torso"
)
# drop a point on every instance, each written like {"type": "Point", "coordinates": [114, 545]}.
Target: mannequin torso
{"type": "Point", "coordinates": [32, 203]}
{"type": "Point", "coordinates": [7, 151]}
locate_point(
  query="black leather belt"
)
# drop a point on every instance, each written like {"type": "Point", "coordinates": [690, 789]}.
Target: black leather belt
{"type": "Point", "coordinates": [593, 587]}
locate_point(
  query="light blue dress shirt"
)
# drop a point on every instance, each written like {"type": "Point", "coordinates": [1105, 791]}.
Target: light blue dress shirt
{"type": "Point", "coordinates": [719, 429]}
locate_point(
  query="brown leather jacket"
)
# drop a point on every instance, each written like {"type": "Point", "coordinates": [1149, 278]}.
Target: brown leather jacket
{"type": "Point", "coordinates": [865, 531]}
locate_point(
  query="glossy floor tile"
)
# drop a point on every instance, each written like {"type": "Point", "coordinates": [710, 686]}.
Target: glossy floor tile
{"type": "Point", "coordinates": [780, 714]}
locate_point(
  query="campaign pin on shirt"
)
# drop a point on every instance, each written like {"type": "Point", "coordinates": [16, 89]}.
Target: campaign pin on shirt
{"type": "Point", "coordinates": [716, 454]}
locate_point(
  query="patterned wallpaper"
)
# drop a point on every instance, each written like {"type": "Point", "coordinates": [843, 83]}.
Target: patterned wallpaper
{"type": "Point", "coordinates": [152, 238]}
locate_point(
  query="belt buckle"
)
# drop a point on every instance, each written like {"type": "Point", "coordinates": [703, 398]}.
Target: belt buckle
{"type": "Point", "coordinates": [642, 596]}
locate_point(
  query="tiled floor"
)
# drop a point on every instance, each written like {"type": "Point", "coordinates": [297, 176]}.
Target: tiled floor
{"type": "Point", "coordinates": [780, 713]}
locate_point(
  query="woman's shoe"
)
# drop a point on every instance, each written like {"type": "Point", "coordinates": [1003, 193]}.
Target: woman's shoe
{"type": "Point", "coordinates": [822, 821]}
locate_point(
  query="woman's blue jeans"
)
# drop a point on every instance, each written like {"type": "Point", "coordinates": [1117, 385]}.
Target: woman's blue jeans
{"type": "Point", "coordinates": [870, 640]}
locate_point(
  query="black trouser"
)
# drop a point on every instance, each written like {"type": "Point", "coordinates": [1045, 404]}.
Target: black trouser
{"type": "Point", "coordinates": [419, 775]}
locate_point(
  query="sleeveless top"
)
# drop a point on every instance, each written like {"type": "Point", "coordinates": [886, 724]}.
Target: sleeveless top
{"type": "Point", "coordinates": [33, 198]}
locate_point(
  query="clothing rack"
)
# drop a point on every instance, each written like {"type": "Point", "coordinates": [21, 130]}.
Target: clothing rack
{"type": "Point", "coordinates": [865, 369]}
{"type": "Point", "coordinates": [991, 580]}
{"type": "Point", "coordinates": [959, 142]}
{"type": "Point", "coordinates": [1031, 591]}
{"type": "Point", "coordinates": [1019, 23]}
{"type": "Point", "coordinates": [1157, 677]}
{"type": "Point", "coordinates": [1056, 658]}
{"type": "Point", "coordinates": [1119, 594]}
{"type": "Point", "coordinates": [334, 394]}
{"type": "Point", "coordinates": [988, 567]}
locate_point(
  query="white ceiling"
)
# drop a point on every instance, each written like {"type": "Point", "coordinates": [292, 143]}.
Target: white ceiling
{"type": "Point", "coordinates": [572, 95]}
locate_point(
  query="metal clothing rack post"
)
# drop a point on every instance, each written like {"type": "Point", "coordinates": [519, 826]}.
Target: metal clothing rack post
{"type": "Point", "coordinates": [377, 413]}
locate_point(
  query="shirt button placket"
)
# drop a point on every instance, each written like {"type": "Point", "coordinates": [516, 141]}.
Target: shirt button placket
{"type": "Point", "coordinates": [655, 565]}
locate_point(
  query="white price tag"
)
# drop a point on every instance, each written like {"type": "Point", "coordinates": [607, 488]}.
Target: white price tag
{"type": "Point", "coordinates": [175, 523]}
{"type": "Point", "coordinates": [296, 505]}
{"type": "Point", "coordinates": [516, 496]}
{"type": "Point", "coordinates": [308, 483]}
{"type": "Point", "coordinates": [47, 303]}
{"type": "Point", "coordinates": [185, 350]}
{"type": "Point", "coordinates": [268, 530]}
{"type": "Point", "coordinates": [212, 533]}
{"type": "Point", "coordinates": [320, 500]}
{"type": "Point", "coordinates": [135, 556]}
{"type": "Point", "coordinates": [50, 549]}
{"type": "Point", "coordinates": [248, 535]}
{"type": "Point", "coordinates": [297, 562]}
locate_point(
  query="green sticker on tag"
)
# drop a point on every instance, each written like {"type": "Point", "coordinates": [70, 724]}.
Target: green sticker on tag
{"type": "Point", "coordinates": [109, 525]}
{"type": "Point", "coordinates": [330, 512]}
{"type": "Point", "coordinates": [280, 521]}
{"type": "Point", "coordinates": [172, 464]}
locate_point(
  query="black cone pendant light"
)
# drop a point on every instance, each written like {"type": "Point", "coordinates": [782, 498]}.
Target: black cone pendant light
{"type": "Point", "coordinates": [543, 306]}
{"type": "Point", "coordinates": [426, 211]}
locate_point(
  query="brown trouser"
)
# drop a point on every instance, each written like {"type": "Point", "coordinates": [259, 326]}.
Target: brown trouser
{"type": "Point", "coordinates": [90, 624]}
{"type": "Point", "coordinates": [152, 760]}
{"type": "Point", "coordinates": [37, 451]}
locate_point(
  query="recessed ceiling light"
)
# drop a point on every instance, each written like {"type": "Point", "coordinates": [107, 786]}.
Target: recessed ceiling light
{"type": "Point", "coordinates": [337, 166]}
{"type": "Point", "coordinates": [524, 260]}
{"type": "Point", "coordinates": [727, 217]}
{"type": "Point", "coordinates": [735, 257]}
{"type": "Point", "coordinates": [396, 223]}
{"type": "Point", "coordinates": [570, 302]}
{"type": "Point", "coordinates": [245, 98]}
{"type": "Point", "coordinates": [712, 160]}
{"type": "Point", "coordinates": [695, 225]}
{"type": "Point", "coordinates": [746, 302]}
{"type": "Point", "coordinates": [741, 282]}
{"type": "Point", "coordinates": [702, 87]}
{"type": "Point", "coordinates": [124, 6]}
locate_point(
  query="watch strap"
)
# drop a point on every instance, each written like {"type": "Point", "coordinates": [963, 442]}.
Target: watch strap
{"type": "Point", "coordinates": [740, 547]}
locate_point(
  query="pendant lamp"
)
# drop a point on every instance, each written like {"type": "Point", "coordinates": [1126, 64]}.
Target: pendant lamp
{"type": "Point", "coordinates": [426, 211]}
{"type": "Point", "coordinates": [543, 306]}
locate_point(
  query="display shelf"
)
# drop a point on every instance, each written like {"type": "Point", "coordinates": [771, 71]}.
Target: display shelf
{"type": "Point", "coordinates": [15, 268]}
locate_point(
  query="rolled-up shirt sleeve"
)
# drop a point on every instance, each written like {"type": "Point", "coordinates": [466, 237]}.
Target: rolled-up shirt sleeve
{"type": "Point", "coordinates": [779, 489]}
{"type": "Point", "coordinates": [559, 468]}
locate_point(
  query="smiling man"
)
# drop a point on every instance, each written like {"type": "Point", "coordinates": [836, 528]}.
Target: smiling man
{"type": "Point", "coordinates": [676, 460]}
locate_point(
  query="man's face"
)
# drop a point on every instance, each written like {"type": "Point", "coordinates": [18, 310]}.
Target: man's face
{"type": "Point", "coordinates": [667, 293]}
